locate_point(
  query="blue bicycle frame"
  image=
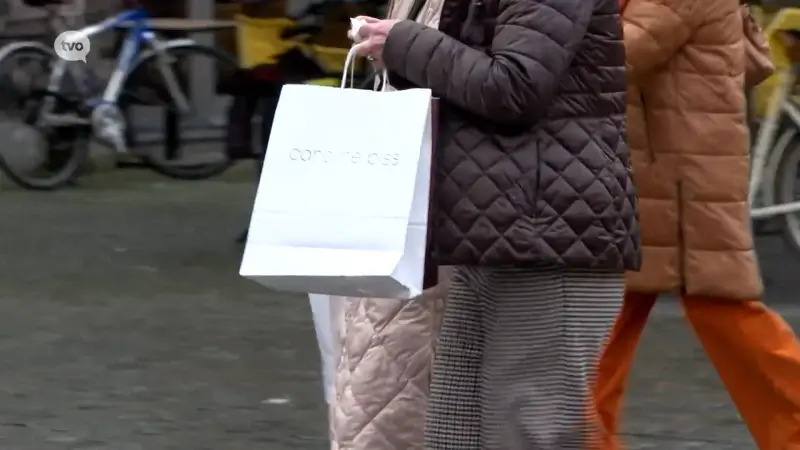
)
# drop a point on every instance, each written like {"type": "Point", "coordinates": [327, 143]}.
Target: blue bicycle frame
{"type": "Point", "coordinates": [139, 33]}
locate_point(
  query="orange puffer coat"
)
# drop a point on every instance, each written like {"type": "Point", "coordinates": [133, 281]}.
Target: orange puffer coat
{"type": "Point", "coordinates": [689, 147]}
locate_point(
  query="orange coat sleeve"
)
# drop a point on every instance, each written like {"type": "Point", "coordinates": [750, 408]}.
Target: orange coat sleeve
{"type": "Point", "coordinates": [654, 31]}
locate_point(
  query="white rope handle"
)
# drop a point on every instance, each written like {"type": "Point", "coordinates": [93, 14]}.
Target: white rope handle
{"type": "Point", "coordinates": [350, 69]}
{"type": "Point", "coordinates": [349, 64]}
{"type": "Point", "coordinates": [384, 81]}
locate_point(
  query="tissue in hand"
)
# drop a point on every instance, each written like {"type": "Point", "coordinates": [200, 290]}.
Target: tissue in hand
{"type": "Point", "coordinates": [355, 25]}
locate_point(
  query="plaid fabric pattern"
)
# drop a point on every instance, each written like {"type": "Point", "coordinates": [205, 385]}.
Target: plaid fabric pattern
{"type": "Point", "coordinates": [517, 357]}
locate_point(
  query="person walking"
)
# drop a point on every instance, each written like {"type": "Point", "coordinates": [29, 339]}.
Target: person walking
{"type": "Point", "coordinates": [689, 144]}
{"type": "Point", "coordinates": [533, 204]}
{"type": "Point", "coordinates": [384, 353]}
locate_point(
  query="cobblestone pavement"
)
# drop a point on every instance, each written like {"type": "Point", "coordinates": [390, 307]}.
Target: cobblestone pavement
{"type": "Point", "coordinates": [124, 326]}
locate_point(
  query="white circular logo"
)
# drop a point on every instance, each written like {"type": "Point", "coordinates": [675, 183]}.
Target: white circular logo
{"type": "Point", "coordinates": [72, 46]}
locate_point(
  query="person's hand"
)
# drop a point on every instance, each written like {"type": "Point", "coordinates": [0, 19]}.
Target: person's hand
{"type": "Point", "coordinates": [363, 20]}
{"type": "Point", "coordinates": [373, 36]}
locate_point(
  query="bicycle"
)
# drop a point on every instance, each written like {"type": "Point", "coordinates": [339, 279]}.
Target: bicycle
{"type": "Point", "coordinates": [149, 71]}
{"type": "Point", "coordinates": [775, 159]}
{"type": "Point", "coordinates": [23, 66]}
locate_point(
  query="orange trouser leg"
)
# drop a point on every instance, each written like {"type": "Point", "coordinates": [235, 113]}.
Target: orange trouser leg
{"type": "Point", "coordinates": [758, 359]}
{"type": "Point", "coordinates": [616, 363]}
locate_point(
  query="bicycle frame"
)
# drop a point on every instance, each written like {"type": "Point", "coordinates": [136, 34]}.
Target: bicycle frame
{"type": "Point", "coordinates": [140, 34]}
{"type": "Point", "coordinates": [769, 150]}
{"type": "Point", "coordinates": [772, 141]}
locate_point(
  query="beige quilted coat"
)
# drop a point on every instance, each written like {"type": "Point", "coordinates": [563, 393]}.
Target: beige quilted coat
{"type": "Point", "coordinates": [383, 374]}
{"type": "Point", "coordinates": [386, 349]}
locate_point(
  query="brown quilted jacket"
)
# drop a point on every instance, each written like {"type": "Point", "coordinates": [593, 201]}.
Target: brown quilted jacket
{"type": "Point", "coordinates": [531, 159]}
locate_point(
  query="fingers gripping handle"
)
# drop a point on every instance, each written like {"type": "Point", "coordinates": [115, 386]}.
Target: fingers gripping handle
{"type": "Point", "coordinates": [349, 62]}
{"type": "Point", "coordinates": [355, 27]}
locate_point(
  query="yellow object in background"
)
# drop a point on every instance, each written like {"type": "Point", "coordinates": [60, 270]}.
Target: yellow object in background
{"type": "Point", "coordinates": [259, 42]}
{"type": "Point", "coordinates": [331, 58]}
{"type": "Point", "coordinates": [331, 82]}
{"type": "Point", "coordinates": [783, 20]}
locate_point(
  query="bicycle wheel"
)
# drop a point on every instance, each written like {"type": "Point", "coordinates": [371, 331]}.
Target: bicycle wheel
{"type": "Point", "coordinates": [787, 190]}
{"type": "Point", "coordinates": [201, 152]}
{"type": "Point", "coordinates": [25, 68]}
{"type": "Point", "coordinates": [44, 158]}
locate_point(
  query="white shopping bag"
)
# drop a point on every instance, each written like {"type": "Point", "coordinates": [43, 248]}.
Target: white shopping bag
{"type": "Point", "coordinates": [342, 205]}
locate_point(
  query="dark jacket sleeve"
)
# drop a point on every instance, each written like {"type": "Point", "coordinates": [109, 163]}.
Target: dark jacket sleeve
{"type": "Point", "coordinates": [533, 45]}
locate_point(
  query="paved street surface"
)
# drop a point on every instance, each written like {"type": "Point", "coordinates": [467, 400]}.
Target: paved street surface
{"type": "Point", "coordinates": [124, 326]}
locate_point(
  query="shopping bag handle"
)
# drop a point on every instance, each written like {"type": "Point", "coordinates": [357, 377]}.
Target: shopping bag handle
{"type": "Point", "coordinates": [350, 69]}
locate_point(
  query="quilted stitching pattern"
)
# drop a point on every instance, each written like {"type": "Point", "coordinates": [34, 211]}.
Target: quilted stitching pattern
{"type": "Point", "coordinates": [689, 143]}
{"type": "Point", "coordinates": [383, 372]}
{"type": "Point", "coordinates": [532, 164]}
